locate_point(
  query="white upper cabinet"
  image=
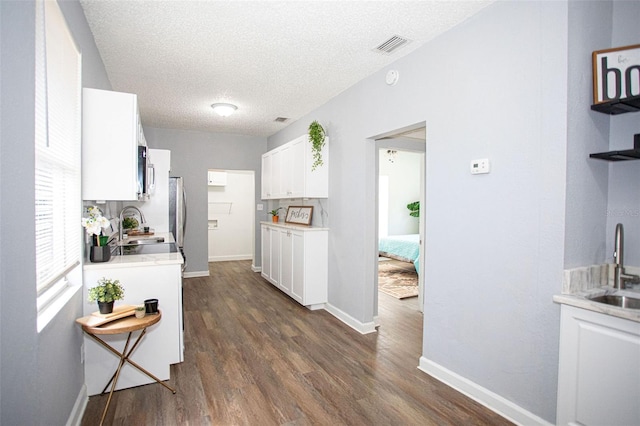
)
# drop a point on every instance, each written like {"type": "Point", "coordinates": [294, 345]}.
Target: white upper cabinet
{"type": "Point", "coordinates": [111, 133]}
{"type": "Point", "coordinates": [286, 171]}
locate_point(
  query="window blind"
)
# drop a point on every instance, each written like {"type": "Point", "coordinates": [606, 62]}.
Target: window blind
{"type": "Point", "coordinates": [58, 203]}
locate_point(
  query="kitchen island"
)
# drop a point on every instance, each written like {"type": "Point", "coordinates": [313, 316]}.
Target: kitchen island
{"type": "Point", "coordinates": [156, 275]}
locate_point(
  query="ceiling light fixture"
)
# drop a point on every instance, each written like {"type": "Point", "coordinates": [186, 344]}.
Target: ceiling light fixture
{"type": "Point", "coordinates": [224, 110]}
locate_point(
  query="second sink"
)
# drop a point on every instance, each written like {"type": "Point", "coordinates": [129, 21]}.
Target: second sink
{"type": "Point", "coordinates": [615, 300]}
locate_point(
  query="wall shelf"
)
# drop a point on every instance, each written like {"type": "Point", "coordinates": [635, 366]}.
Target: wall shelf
{"type": "Point", "coordinates": [626, 154]}
{"type": "Point", "coordinates": [619, 106]}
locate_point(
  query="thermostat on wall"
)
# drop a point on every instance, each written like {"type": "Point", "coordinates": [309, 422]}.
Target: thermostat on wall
{"type": "Point", "coordinates": [480, 166]}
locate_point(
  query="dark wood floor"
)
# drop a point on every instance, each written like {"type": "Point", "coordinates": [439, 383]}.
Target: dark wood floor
{"type": "Point", "coordinates": [253, 356]}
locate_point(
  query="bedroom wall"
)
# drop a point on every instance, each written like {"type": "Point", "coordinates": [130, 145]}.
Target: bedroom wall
{"type": "Point", "coordinates": [404, 187]}
{"type": "Point", "coordinates": [496, 87]}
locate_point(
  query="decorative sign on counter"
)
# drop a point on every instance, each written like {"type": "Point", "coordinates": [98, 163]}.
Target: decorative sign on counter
{"type": "Point", "coordinates": [616, 73]}
{"type": "Point", "coordinates": [300, 215]}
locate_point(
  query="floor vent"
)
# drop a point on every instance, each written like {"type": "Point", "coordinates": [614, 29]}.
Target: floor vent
{"type": "Point", "coordinates": [280, 119]}
{"type": "Point", "coordinates": [392, 44]}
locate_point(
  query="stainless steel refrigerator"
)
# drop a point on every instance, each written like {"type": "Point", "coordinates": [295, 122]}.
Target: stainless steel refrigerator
{"type": "Point", "coordinates": [178, 212]}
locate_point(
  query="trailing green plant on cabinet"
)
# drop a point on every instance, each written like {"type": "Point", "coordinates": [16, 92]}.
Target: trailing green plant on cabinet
{"type": "Point", "coordinates": [288, 171]}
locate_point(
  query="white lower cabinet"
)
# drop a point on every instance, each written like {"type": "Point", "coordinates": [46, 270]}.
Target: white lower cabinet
{"type": "Point", "coordinates": [599, 369]}
{"type": "Point", "coordinates": [162, 344]}
{"type": "Point", "coordinates": [300, 257]}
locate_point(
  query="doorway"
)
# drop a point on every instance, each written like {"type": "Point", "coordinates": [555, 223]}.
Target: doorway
{"type": "Point", "coordinates": [231, 216]}
{"type": "Point", "coordinates": [400, 218]}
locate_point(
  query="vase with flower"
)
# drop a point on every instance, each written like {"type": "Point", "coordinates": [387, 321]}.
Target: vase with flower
{"type": "Point", "coordinates": [94, 224]}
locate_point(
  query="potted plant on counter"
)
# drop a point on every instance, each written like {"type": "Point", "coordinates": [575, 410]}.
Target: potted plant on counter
{"type": "Point", "coordinates": [274, 214]}
{"type": "Point", "coordinates": [105, 293]}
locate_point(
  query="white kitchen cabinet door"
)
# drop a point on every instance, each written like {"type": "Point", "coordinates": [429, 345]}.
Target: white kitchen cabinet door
{"type": "Point", "coordinates": [297, 266]}
{"type": "Point", "coordinates": [266, 252]}
{"type": "Point", "coordinates": [296, 174]}
{"type": "Point", "coordinates": [274, 250]}
{"type": "Point", "coordinates": [111, 132]}
{"type": "Point", "coordinates": [286, 259]}
{"type": "Point", "coordinates": [266, 176]}
{"type": "Point", "coordinates": [277, 187]}
{"type": "Point", "coordinates": [599, 369]}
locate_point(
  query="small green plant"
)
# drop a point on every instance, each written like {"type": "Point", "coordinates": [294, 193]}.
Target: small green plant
{"type": "Point", "coordinates": [130, 223]}
{"type": "Point", "coordinates": [140, 308]}
{"type": "Point", "coordinates": [316, 136]}
{"type": "Point", "coordinates": [106, 291]}
{"type": "Point", "coordinates": [414, 209]}
{"type": "Point", "coordinates": [275, 212]}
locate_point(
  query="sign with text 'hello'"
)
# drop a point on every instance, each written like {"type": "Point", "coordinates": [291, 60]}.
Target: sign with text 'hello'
{"type": "Point", "coordinates": [616, 73]}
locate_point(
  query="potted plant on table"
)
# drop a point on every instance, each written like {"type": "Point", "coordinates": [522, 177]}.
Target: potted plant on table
{"type": "Point", "coordinates": [94, 224]}
{"type": "Point", "coordinates": [105, 293]}
{"type": "Point", "coordinates": [274, 214]}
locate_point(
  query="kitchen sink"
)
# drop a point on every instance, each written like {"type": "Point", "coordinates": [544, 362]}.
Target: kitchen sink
{"type": "Point", "coordinates": [617, 300]}
{"type": "Point", "coordinates": [141, 241]}
{"type": "Point", "coordinates": [146, 249]}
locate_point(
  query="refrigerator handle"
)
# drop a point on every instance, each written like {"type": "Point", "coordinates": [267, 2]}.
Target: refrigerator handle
{"type": "Point", "coordinates": [184, 211]}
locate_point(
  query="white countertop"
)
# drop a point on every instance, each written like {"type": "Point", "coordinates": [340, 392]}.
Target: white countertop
{"type": "Point", "coordinates": [581, 300]}
{"type": "Point", "coordinates": [140, 260]}
{"type": "Point", "coordinates": [294, 226]}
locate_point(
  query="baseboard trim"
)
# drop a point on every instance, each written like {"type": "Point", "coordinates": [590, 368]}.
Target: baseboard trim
{"type": "Point", "coordinates": [196, 274]}
{"type": "Point", "coordinates": [230, 258]}
{"type": "Point", "coordinates": [491, 400]}
{"type": "Point", "coordinates": [360, 327]}
{"type": "Point", "coordinates": [255, 268]}
{"type": "Point", "coordinates": [75, 417]}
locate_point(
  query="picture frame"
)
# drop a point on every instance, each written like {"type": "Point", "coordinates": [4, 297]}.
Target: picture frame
{"type": "Point", "coordinates": [299, 215]}
{"type": "Point", "coordinates": [616, 73]}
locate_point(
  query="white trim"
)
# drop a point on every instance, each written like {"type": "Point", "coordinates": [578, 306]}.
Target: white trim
{"type": "Point", "coordinates": [360, 327]}
{"type": "Point", "coordinates": [230, 257]}
{"type": "Point", "coordinates": [196, 274]}
{"type": "Point", "coordinates": [75, 417]}
{"type": "Point", "coordinates": [255, 268]}
{"type": "Point", "coordinates": [491, 400]}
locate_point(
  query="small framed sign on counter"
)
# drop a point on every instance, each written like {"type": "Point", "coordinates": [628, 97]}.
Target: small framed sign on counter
{"type": "Point", "coordinates": [616, 73]}
{"type": "Point", "coordinates": [300, 215]}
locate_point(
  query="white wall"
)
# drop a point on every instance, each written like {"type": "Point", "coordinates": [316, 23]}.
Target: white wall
{"type": "Point", "coordinates": [494, 87]}
{"type": "Point", "coordinates": [404, 188]}
{"type": "Point", "coordinates": [231, 217]}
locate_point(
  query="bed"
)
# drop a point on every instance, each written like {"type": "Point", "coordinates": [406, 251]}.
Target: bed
{"type": "Point", "coordinates": [401, 247]}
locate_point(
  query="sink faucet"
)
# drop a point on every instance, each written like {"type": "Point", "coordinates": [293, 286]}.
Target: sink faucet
{"type": "Point", "coordinates": [619, 276]}
{"type": "Point", "coordinates": [121, 218]}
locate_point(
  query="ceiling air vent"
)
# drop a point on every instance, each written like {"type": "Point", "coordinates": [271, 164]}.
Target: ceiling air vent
{"type": "Point", "coordinates": [391, 45]}
{"type": "Point", "coordinates": [280, 119]}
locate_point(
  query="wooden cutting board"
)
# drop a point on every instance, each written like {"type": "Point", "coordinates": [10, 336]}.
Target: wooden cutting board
{"type": "Point", "coordinates": [133, 232]}
{"type": "Point", "coordinates": [96, 318]}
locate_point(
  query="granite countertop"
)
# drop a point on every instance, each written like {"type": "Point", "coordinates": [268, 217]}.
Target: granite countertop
{"type": "Point", "coordinates": [141, 260]}
{"type": "Point", "coordinates": [581, 284]}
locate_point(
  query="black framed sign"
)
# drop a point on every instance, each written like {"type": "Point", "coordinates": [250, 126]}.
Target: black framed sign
{"type": "Point", "coordinates": [616, 73]}
{"type": "Point", "coordinates": [300, 215]}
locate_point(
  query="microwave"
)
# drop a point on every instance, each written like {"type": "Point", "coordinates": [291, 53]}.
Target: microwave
{"type": "Point", "coordinates": [146, 174]}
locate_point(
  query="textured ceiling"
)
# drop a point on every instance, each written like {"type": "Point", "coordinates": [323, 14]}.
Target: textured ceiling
{"type": "Point", "coordinates": [270, 58]}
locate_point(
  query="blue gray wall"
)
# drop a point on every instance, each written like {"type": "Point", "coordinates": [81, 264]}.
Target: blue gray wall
{"type": "Point", "coordinates": [40, 373]}
{"type": "Point", "coordinates": [192, 154]}
{"type": "Point", "coordinates": [496, 86]}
